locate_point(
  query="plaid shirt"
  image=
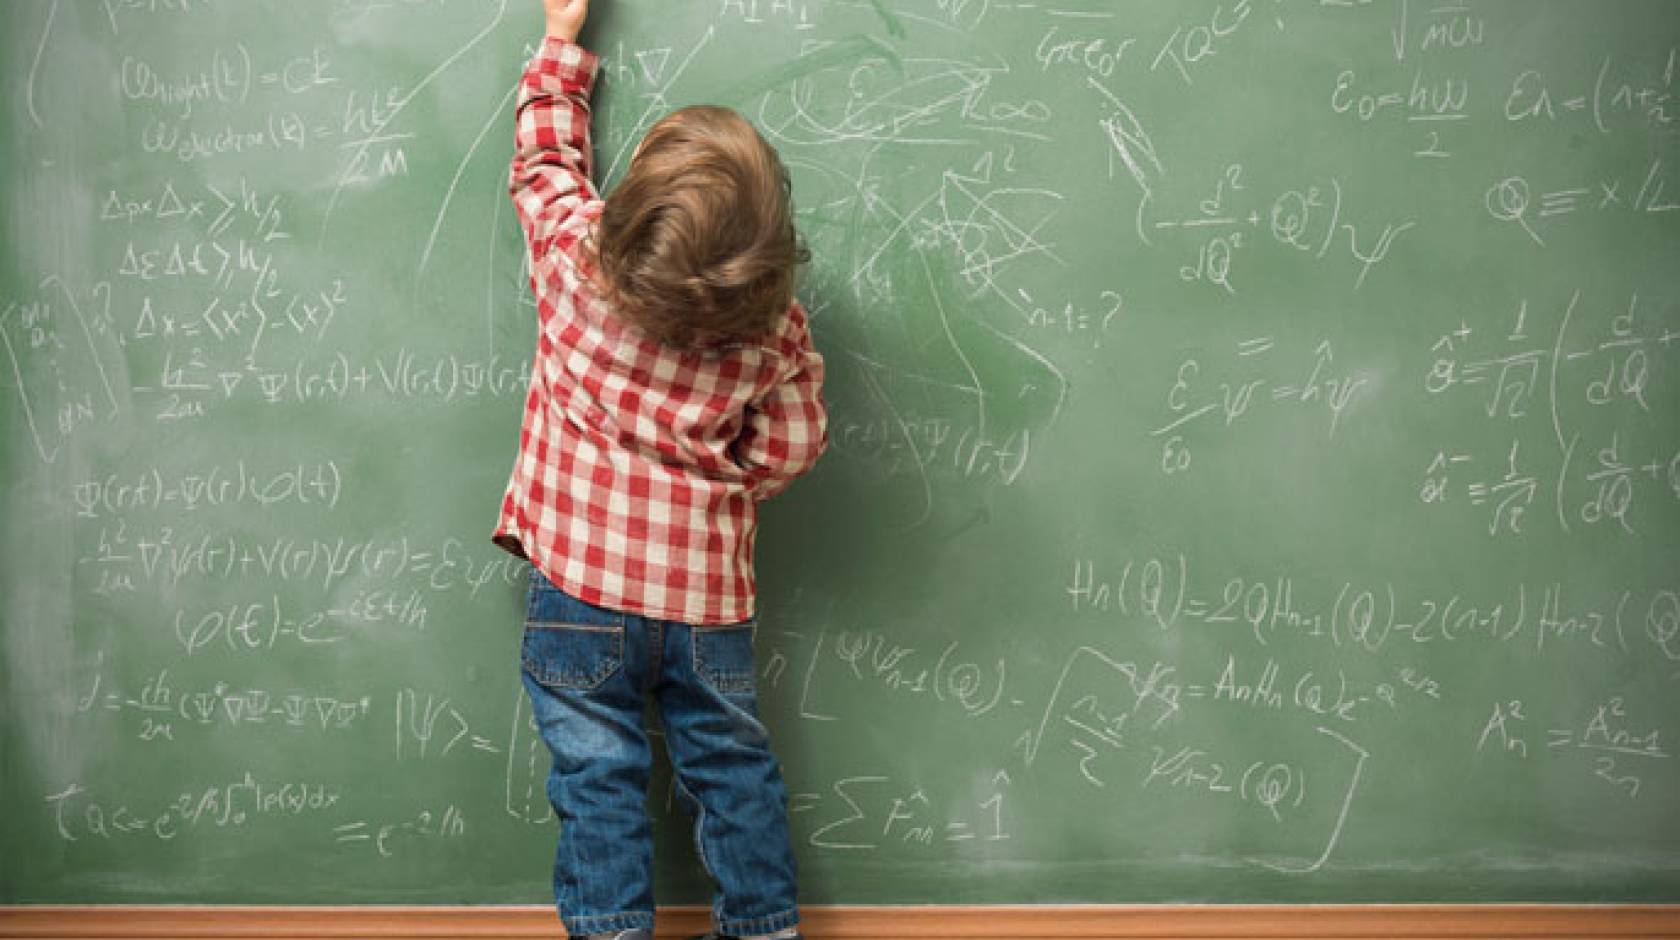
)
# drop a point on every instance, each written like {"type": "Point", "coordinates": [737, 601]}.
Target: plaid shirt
{"type": "Point", "coordinates": [640, 466]}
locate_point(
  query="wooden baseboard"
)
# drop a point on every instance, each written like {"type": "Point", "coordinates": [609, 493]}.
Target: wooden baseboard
{"type": "Point", "coordinates": [1144, 922]}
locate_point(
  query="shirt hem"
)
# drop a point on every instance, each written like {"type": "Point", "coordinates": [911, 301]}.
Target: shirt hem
{"type": "Point", "coordinates": [511, 542]}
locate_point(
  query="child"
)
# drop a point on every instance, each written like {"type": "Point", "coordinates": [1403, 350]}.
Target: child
{"type": "Point", "coordinates": [674, 387]}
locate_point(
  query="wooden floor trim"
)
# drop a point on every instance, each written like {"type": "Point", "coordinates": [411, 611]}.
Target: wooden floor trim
{"type": "Point", "coordinates": [1101, 922]}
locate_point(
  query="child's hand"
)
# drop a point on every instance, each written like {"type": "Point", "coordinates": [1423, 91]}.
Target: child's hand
{"type": "Point", "coordinates": [565, 17]}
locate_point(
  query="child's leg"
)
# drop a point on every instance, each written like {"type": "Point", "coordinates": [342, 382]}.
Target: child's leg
{"type": "Point", "coordinates": [584, 669]}
{"type": "Point", "coordinates": [728, 776]}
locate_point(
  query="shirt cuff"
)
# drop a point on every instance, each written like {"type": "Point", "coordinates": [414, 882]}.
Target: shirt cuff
{"type": "Point", "coordinates": [562, 67]}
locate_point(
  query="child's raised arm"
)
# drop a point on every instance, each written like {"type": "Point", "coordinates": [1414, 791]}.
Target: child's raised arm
{"type": "Point", "coordinates": [787, 429]}
{"type": "Point", "coordinates": [552, 155]}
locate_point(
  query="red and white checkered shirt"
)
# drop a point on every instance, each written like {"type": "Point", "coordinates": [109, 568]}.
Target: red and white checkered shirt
{"type": "Point", "coordinates": [640, 466]}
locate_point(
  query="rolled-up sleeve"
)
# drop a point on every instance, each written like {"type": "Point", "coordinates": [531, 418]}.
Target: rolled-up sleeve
{"type": "Point", "coordinates": [786, 430]}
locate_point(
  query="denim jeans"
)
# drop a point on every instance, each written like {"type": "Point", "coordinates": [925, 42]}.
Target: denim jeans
{"type": "Point", "coordinates": [588, 671]}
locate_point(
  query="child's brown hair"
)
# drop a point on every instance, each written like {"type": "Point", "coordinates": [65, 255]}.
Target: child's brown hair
{"type": "Point", "coordinates": [697, 245]}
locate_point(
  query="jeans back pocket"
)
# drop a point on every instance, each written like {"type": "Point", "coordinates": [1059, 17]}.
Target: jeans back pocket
{"type": "Point", "coordinates": [569, 644]}
{"type": "Point", "coordinates": [723, 657]}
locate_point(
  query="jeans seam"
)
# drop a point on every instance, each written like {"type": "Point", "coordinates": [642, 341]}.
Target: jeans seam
{"type": "Point", "coordinates": [699, 830]}
{"type": "Point", "coordinates": [656, 651]}
{"type": "Point", "coordinates": [601, 923]}
{"type": "Point", "coordinates": [768, 923]}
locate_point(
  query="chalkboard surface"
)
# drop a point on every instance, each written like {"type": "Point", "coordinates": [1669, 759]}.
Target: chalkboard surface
{"type": "Point", "coordinates": [1255, 468]}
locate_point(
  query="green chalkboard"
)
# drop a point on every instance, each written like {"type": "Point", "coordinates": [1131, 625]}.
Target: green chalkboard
{"type": "Point", "coordinates": [1255, 467]}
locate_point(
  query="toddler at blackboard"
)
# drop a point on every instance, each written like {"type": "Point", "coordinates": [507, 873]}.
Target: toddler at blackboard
{"type": "Point", "coordinates": [674, 387]}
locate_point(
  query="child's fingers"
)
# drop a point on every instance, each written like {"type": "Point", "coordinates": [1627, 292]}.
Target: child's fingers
{"type": "Point", "coordinates": [565, 17]}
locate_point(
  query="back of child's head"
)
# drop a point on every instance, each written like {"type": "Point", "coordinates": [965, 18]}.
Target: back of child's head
{"type": "Point", "coordinates": [696, 245]}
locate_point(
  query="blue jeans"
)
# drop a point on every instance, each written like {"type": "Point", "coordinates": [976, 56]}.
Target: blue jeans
{"type": "Point", "coordinates": [588, 671]}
